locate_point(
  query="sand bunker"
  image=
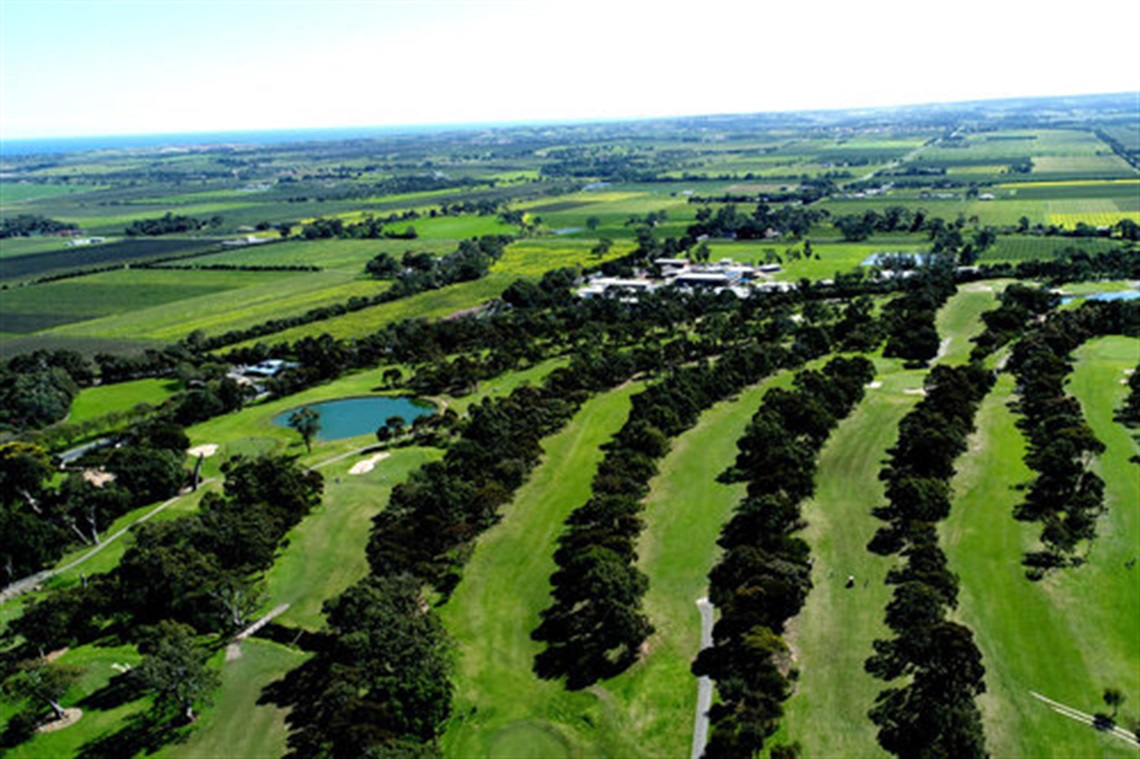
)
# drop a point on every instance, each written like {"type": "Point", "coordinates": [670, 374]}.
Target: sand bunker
{"type": "Point", "coordinates": [875, 385]}
{"type": "Point", "coordinates": [207, 450]}
{"type": "Point", "coordinates": [98, 477]}
{"type": "Point", "coordinates": [368, 464]}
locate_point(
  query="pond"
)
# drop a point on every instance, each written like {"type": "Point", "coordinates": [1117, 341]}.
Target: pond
{"type": "Point", "coordinates": [1116, 295]}
{"type": "Point", "coordinates": [349, 417]}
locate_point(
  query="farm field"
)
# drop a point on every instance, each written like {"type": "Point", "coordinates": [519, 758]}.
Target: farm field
{"type": "Point", "coordinates": [124, 293]}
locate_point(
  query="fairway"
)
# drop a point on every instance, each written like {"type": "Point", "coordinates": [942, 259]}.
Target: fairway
{"type": "Point", "coordinates": [685, 511]}
{"type": "Point", "coordinates": [498, 700]}
{"type": "Point", "coordinates": [1078, 620]}
{"type": "Point", "coordinates": [831, 637]}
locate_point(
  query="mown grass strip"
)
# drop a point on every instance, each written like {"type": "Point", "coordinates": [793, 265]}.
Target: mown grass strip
{"type": "Point", "coordinates": [505, 586]}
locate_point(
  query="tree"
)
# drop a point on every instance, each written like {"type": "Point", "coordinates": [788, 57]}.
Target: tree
{"type": "Point", "coordinates": [592, 223]}
{"type": "Point", "coordinates": [396, 425]}
{"type": "Point", "coordinates": [307, 422]}
{"type": "Point", "coordinates": [1113, 698]}
{"type": "Point", "coordinates": [174, 669]}
{"type": "Point", "coordinates": [38, 680]}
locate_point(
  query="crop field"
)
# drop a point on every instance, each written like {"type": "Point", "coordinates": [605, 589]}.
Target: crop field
{"type": "Point", "coordinates": [430, 305]}
{"type": "Point", "coordinates": [14, 193]}
{"type": "Point", "coordinates": [265, 295]}
{"type": "Point", "coordinates": [343, 255]}
{"type": "Point", "coordinates": [1081, 165]}
{"type": "Point", "coordinates": [1023, 248]}
{"type": "Point", "coordinates": [532, 258]}
{"type": "Point", "coordinates": [124, 297]}
{"type": "Point", "coordinates": [37, 264]}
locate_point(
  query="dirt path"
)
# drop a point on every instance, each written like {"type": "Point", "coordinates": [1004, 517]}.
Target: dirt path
{"type": "Point", "coordinates": [32, 581]}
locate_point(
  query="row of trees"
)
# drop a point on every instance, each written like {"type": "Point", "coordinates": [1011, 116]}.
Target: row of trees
{"type": "Point", "coordinates": [170, 223]}
{"type": "Point", "coordinates": [423, 272]}
{"type": "Point", "coordinates": [1066, 496]}
{"type": "Point", "coordinates": [416, 272]}
{"type": "Point", "coordinates": [26, 225]}
{"type": "Point", "coordinates": [368, 228]}
{"type": "Point", "coordinates": [933, 712]}
{"type": "Point", "coordinates": [909, 319]}
{"type": "Point", "coordinates": [594, 627]}
{"type": "Point", "coordinates": [764, 221]}
{"type": "Point", "coordinates": [1019, 304]}
{"type": "Point", "coordinates": [764, 575]}
{"type": "Point", "coordinates": [361, 693]}
{"type": "Point", "coordinates": [381, 684]}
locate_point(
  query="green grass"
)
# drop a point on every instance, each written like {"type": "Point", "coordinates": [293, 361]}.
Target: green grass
{"type": "Point", "coordinates": [499, 702]}
{"type": "Point", "coordinates": [831, 637]}
{"type": "Point", "coordinates": [1073, 634]}
{"type": "Point", "coordinates": [236, 725]}
{"type": "Point", "coordinates": [98, 721]}
{"type": "Point", "coordinates": [325, 553]}
{"type": "Point", "coordinates": [960, 319]}
{"type": "Point", "coordinates": [685, 511]}
{"type": "Point", "coordinates": [94, 402]}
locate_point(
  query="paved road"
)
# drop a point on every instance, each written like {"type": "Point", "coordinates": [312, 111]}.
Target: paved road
{"type": "Point", "coordinates": [704, 684]}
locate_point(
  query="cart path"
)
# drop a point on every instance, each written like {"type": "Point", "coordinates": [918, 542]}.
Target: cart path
{"type": "Point", "coordinates": [704, 684]}
{"type": "Point", "coordinates": [19, 587]}
{"type": "Point", "coordinates": [1088, 719]}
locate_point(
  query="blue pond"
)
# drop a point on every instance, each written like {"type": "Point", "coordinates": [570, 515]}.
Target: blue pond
{"type": "Point", "coordinates": [349, 417]}
{"type": "Point", "coordinates": [1117, 295]}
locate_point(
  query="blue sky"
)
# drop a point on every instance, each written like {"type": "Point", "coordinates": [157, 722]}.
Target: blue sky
{"type": "Point", "coordinates": [83, 67]}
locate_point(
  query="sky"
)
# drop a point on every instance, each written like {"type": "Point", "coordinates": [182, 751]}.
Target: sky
{"type": "Point", "coordinates": [110, 67]}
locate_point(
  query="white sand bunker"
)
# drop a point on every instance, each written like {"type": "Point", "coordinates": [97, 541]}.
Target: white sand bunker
{"type": "Point", "coordinates": [875, 385]}
{"type": "Point", "coordinates": [367, 465]}
{"type": "Point", "coordinates": [98, 477]}
{"type": "Point", "coordinates": [207, 450]}
{"type": "Point", "coordinates": [915, 391]}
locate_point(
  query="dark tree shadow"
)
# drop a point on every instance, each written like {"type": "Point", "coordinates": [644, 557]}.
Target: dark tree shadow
{"type": "Point", "coordinates": [122, 689]}
{"type": "Point", "coordinates": [145, 733]}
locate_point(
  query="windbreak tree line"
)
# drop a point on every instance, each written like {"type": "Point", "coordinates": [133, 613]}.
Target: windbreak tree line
{"type": "Point", "coordinates": [595, 626]}
{"type": "Point", "coordinates": [421, 272]}
{"type": "Point", "coordinates": [1066, 496]}
{"type": "Point", "coordinates": [764, 575]}
{"type": "Point", "coordinates": [933, 712]}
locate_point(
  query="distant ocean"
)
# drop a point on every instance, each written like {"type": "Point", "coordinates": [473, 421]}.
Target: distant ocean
{"type": "Point", "coordinates": [55, 145]}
